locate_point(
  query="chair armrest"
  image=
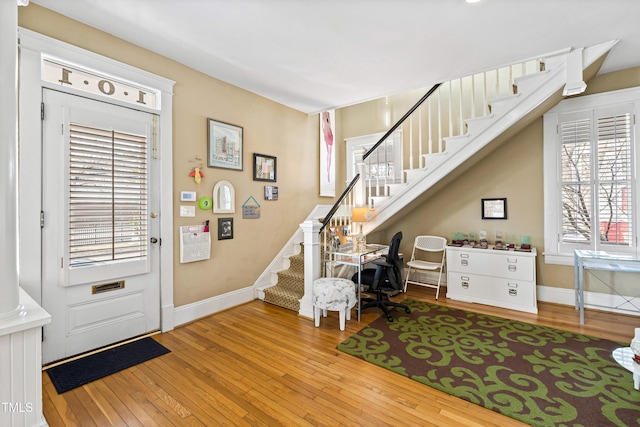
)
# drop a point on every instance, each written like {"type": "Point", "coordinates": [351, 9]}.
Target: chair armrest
{"type": "Point", "coordinates": [381, 262]}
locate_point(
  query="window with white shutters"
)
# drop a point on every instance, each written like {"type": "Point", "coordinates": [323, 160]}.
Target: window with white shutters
{"type": "Point", "coordinates": [590, 186]}
{"type": "Point", "coordinates": [107, 196]}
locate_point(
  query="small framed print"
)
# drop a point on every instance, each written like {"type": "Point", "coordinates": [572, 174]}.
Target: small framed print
{"type": "Point", "coordinates": [225, 228]}
{"type": "Point", "coordinates": [270, 192]}
{"type": "Point", "coordinates": [187, 196]}
{"type": "Point", "coordinates": [264, 168]}
{"type": "Point", "coordinates": [494, 208]}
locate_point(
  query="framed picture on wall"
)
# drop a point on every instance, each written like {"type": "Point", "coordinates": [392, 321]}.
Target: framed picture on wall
{"type": "Point", "coordinates": [264, 168]}
{"type": "Point", "coordinates": [225, 145]}
{"type": "Point", "coordinates": [225, 228]}
{"type": "Point", "coordinates": [270, 192]}
{"type": "Point", "coordinates": [494, 208]}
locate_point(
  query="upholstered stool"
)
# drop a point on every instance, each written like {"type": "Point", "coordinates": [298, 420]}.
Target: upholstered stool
{"type": "Point", "coordinates": [335, 294]}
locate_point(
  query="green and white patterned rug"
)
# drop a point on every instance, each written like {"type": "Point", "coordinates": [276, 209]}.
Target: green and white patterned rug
{"type": "Point", "coordinates": [538, 375]}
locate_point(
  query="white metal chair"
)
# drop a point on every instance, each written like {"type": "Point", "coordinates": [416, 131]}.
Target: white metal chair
{"type": "Point", "coordinates": [426, 244]}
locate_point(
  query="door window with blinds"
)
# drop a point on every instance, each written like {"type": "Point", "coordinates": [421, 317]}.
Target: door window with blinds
{"type": "Point", "coordinates": [106, 232]}
{"type": "Point", "coordinates": [107, 195]}
{"type": "Point", "coordinates": [595, 188]}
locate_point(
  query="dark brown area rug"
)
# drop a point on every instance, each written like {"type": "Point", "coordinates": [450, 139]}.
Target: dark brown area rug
{"type": "Point", "coordinates": [535, 374]}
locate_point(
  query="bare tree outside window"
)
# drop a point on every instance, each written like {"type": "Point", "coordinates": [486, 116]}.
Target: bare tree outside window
{"type": "Point", "coordinates": [596, 180]}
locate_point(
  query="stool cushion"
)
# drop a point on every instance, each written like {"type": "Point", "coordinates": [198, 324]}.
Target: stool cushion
{"type": "Point", "coordinates": [333, 293]}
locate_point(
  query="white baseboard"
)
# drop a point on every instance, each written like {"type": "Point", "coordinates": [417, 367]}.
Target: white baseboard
{"type": "Point", "coordinates": [190, 312]}
{"type": "Point", "coordinates": [592, 300]}
{"type": "Point", "coordinates": [613, 303]}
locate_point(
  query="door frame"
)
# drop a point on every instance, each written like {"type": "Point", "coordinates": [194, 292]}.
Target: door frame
{"type": "Point", "coordinates": [33, 47]}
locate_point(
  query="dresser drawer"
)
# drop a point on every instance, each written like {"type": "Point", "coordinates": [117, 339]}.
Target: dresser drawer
{"type": "Point", "coordinates": [510, 265]}
{"type": "Point", "coordinates": [506, 293]}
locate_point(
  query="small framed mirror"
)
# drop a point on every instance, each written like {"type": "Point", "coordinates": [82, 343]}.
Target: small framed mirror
{"type": "Point", "coordinates": [224, 198]}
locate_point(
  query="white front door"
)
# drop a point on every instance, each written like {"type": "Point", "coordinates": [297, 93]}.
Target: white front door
{"type": "Point", "coordinates": [100, 240]}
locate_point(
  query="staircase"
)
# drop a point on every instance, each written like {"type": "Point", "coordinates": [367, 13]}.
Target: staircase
{"type": "Point", "coordinates": [289, 287]}
{"type": "Point", "coordinates": [471, 128]}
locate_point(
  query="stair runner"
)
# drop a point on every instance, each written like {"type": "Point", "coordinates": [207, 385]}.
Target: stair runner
{"type": "Point", "coordinates": [290, 286]}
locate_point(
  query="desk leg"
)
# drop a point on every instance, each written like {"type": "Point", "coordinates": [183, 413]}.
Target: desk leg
{"type": "Point", "coordinates": [576, 281]}
{"type": "Point", "coordinates": [359, 285]}
{"type": "Point", "coordinates": [581, 290]}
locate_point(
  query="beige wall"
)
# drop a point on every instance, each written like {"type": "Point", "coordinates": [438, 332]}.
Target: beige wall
{"type": "Point", "coordinates": [513, 171]}
{"type": "Point", "coordinates": [269, 128]}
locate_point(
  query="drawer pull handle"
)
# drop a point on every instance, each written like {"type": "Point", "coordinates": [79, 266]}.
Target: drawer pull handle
{"type": "Point", "coordinates": [464, 262]}
{"type": "Point", "coordinates": [513, 268]}
{"type": "Point", "coordinates": [512, 260]}
{"type": "Point", "coordinates": [512, 285]}
{"type": "Point", "coordinates": [464, 255]}
{"type": "Point", "coordinates": [513, 292]}
{"type": "Point", "coordinates": [465, 285]}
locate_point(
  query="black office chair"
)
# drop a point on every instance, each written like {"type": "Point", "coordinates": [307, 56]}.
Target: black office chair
{"type": "Point", "coordinates": [387, 276]}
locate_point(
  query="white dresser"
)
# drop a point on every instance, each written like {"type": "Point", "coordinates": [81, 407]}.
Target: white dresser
{"type": "Point", "coordinates": [500, 278]}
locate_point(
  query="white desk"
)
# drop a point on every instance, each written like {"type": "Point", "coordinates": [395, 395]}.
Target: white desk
{"type": "Point", "coordinates": [600, 260]}
{"type": "Point", "coordinates": [348, 255]}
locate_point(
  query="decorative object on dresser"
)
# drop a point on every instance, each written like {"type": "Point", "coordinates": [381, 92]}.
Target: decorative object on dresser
{"type": "Point", "coordinates": [504, 279]}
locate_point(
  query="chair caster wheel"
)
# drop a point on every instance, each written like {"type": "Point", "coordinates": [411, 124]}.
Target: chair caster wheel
{"type": "Point", "coordinates": [390, 318]}
{"type": "Point", "coordinates": [406, 310]}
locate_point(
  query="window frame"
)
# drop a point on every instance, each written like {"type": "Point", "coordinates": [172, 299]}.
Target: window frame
{"type": "Point", "coordinates": [557, 252]}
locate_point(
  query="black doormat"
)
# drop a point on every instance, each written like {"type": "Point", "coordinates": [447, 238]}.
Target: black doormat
{"type": "Point", "coordinates": [79, 372]}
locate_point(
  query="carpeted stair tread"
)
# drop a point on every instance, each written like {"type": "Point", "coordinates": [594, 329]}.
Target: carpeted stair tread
{"type": "Point", "coordinates": [282, 297]}
{"type": "Point", "coordinates": [290, 285]}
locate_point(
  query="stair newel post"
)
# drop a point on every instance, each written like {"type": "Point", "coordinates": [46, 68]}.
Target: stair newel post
{"type": "Point", "coordinates": [312, 264]}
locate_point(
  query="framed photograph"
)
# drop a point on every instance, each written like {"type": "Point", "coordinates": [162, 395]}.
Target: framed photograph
{"type": "Point", "coordinates": [225, 145]}
{"type": "Point", "coordinates": [494, 208]}
{"type": "Point", "coordinates": [264, 168]}
{"type": "Point", "coordinates": [225, 228]}
{"type": "Point", "coordinates": [270, 192]}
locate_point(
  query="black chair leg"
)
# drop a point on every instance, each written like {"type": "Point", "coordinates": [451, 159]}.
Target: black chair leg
{"type": "Point", "coordinates": [383, 304]}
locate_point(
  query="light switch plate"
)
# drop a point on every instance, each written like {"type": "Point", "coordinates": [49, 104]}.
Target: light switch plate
{"type": "Point", "coordinates": [187, 210]}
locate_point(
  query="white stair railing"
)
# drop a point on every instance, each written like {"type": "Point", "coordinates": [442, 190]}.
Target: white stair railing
{"type": "Point", "coordinates": [445, 113]}
{"type": "Point", "coordinates": [442, 115]}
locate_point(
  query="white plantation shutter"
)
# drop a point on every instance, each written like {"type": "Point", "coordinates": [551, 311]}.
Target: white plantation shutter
{"type": "Point", "coordinates": [614, 179]}
{"type": "Point", "coordinates": [596, 179]}
{"type": "Point", "coordinates": [107, 195]}
{"type": "Point", "coordinates": [575, 154]}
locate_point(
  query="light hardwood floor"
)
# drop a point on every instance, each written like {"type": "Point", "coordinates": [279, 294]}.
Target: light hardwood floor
{"type": "Point", "coordinates": [261, 365]}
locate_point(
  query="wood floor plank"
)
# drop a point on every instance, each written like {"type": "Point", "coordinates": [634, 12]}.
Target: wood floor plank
{"type": "Point", "coordinates": [261, 365]}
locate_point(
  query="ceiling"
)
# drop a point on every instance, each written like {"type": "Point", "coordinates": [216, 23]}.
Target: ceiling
{"type": "Point", "coordinates": [313, 55]}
